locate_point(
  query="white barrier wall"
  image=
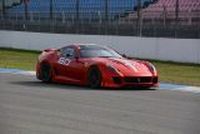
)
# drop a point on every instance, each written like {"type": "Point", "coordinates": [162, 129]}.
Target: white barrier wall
{"type": "Point", "coordinates": [179, 50]}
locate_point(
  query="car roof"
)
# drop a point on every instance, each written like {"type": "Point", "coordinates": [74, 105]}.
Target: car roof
{"type": "Point", "coordinates": [79, 45]}
{"type": "Point", "coordinates": [85, 44]}
{"type": "Point", "coordinates": [88, 44]}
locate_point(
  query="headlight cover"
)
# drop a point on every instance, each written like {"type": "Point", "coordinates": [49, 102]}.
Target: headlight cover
{"type": "Point", "coordinates": [151, 67]}
{"type": "Point", "coordinates": [112, 69]}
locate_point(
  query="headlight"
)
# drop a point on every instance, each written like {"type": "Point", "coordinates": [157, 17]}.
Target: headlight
{"type": "Point", "coordinates": [151, 67]}
{"type": "Point", "coordinates": [113, 69]}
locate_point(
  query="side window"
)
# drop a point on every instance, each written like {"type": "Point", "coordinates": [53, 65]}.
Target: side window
{"type": "Point", "coordinates": [68, 52]}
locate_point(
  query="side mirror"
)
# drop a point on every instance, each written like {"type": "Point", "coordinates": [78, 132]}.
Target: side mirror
{"type": "Point", "coordinates": [127, 57]}
{"type": "Point", "coordinates": [124, 55]}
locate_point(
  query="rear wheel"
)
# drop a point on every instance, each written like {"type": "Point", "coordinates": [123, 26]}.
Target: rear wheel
{"type": "Point", "coordinates": [94, 78]}
{"type": "Point", "coordinates": [46, 73]}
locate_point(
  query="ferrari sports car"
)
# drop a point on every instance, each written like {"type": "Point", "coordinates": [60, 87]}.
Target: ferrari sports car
{"type": "Point", "coordinates": [94, 66]}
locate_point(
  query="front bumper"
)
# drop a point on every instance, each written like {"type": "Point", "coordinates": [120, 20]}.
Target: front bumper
{"type": "Point", "coordinates": [139, 81]}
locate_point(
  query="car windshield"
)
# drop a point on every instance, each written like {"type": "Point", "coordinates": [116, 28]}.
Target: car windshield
{"type": "Point", "coordinates": [89, 51]}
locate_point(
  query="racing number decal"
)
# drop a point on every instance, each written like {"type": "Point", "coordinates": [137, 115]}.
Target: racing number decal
{"type": "Point", "coordinates": [64, 61]}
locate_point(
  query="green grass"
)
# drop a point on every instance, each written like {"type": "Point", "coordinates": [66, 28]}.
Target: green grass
{"type": "Point", "coordinates": [178, 72]}
{"type": "Point", "coordinates": [168, 71]}
{"type": "Point", "coordinates": [21, 59]}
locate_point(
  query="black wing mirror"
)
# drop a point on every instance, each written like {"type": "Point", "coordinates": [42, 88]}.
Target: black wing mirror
{"type": "Point", "coordinates": [124, 55]}
{"type": "Point", "coordinates": [127, 57]}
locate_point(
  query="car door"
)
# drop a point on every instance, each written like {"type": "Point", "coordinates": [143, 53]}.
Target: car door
{"type": "Point", "coordinates": [65, 55]}
{"type": "Point", "coordinates": [76, 66]}
{"type": "Point", "coordinates": [68, 66]}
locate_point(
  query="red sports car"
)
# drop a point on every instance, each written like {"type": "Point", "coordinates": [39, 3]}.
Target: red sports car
{"type": "Point", "coordinates": [95, 66]}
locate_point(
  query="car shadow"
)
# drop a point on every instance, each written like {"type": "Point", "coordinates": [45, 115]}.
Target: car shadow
{"type": "Point", "coordinates": [74, 87]}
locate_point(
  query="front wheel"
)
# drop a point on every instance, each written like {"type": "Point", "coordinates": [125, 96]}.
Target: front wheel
{"type": "Point", "coordinates": [94, 78]}
{"type": "Point", "coordinates": [46, 73]}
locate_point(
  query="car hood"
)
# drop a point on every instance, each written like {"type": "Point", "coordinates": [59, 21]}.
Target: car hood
{"type": "Point", "coordinates": [126, 66]}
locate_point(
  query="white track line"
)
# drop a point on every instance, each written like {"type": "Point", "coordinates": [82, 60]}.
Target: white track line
{"type": "Point", "coordinates": [175, 87]}
{"type": "Point", "coordinates": [163, 86]}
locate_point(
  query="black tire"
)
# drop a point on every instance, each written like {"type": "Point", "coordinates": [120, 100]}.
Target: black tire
{"type": "Point", "coordinates": [94, 77]}
{"type": "Point", "coordinates": [46, 73]}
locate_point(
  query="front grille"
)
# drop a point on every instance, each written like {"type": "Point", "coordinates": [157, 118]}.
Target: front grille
{"type": "Point", "coordinates": [138, 79]}
{"type": "Point", "coordinates": [117, 80]}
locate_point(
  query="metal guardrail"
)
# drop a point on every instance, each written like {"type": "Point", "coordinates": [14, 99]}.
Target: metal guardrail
{"type": "Point", "coordinates": [95, 23]}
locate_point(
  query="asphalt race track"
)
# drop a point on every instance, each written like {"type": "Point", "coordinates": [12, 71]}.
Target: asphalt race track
{"type": "Point", "coordinates": [28, 106]}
